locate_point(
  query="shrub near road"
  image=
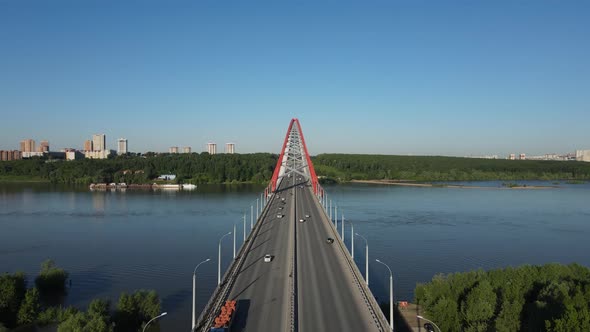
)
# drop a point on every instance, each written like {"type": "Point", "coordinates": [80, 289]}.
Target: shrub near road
{"type": "Point", "coordinates": [551, 297]}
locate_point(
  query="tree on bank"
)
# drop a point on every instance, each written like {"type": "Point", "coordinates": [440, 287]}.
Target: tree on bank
{"type": "Point", "coordinates": [551, 297]}
{"type": "Point", "coordinates": [29, 309]}
{"type": "Point", "coordinates": [12, 292]}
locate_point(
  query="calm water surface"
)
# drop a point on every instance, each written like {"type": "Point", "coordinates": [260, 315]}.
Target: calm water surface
{"type": "Point", "coordinates": [112, 242]}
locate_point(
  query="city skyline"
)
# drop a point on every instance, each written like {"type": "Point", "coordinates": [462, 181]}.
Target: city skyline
{"type": "Point", "coordinates": [449, 78]}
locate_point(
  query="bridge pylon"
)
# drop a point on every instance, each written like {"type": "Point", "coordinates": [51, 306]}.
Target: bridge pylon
{"type": "Point", "coordinates": [294, 159]}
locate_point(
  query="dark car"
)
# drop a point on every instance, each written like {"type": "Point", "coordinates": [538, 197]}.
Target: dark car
{"type": "Point", "coordinates": [428, 327]}
{"type": "Point", "coordinates": [330, 240]}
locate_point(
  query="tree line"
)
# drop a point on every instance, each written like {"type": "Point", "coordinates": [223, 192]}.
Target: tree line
{"type": "Point", "coordinates": [41, 305]}
{"type": "Point", "coordinates": [346, 167]}
{"type": "Point", "coordinates": [258, 168]}
{"type": "Point", "coordinates": [552, 297]}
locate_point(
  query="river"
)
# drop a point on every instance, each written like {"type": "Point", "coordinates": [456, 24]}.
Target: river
{"type": "Point", "coordinates": [112, 242]}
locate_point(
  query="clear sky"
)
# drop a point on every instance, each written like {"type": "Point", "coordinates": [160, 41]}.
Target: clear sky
{"type": "Point", "coordinates": [392, 77]}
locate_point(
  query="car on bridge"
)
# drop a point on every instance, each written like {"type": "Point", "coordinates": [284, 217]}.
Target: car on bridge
{"type": "Point", "coordinates": [330, 240]}
{"type": "Point", "coordinates": [307, 216]}
{"type": "Point", "coordinates": [267, 258]}
{"type": "Point", "coordinates": [279, 215]}
{"type": "Point", "coordinates": [301, 220]}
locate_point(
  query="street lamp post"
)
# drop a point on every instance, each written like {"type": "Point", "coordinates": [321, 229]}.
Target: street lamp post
{"type": "Point", "coordinates": [219, 259]}
{"type": "Point", "coordinates": [244, 228]}
{"type": "Point", "coordinates": [390, 294]}
{"type": "Point", "coordinates": [330, 210]}
{"type": "Point", "coordinates": [251, 217]}
{"type": "Point", "coordinates": [351, 239]}
{"type": "Point", "coordinates": [148, 323]}
{"type": "Point", "coordinates": [366, 258]}
{"type": "Point", "coordinates": [343, 229]}
{"type": "Point", "coordinates": [234, 241]}
{"type": "Point", "coordinates": [336, 217]}
{"type": "Point", "coordinates": [257, 206]}
{"type": "Point", "coordinates": [431, 322]}
{"type": "Point", "coordinates": [195, 291]}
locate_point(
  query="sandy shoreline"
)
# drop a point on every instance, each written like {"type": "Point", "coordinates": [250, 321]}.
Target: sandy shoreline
{"type": "Point", "coordinates": [412, 184]}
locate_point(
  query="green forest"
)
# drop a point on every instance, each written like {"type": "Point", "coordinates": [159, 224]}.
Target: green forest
{"type": "Point", "coordinates": [551, 297]}
{"type": "Point", "coordinates": [24, 308]}
{"type": "Point", "coordinates": [345, 167]}
{"type": "Point", "coordinates": [258, 168]}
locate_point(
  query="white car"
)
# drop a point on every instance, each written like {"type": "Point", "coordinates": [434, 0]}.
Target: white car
{"type": "Point", "coordinates": [307, 216]}
{"type": "Point", "coordinates": [301, 220]}
{"type": "Point", "coordinates": [279, 215]}
{"type": "Point", "coordinates": [267, 258]}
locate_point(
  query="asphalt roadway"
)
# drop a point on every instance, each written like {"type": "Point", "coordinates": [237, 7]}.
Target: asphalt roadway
{"type": "Point", "coordinates": [262, 289]}
{"type": "Point", "coordinates": [328, 297]}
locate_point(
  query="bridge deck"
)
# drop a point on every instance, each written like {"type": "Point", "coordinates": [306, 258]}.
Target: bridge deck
{"type": "Point", "coordinates": [329, 296]}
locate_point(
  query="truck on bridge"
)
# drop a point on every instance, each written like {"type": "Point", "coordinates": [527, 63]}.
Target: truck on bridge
{"type": "Point", "coordinates": [224, 320]}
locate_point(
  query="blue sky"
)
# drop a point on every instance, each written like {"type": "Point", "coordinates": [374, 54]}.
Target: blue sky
{"type": "Point", "coordinates": [391, 77]}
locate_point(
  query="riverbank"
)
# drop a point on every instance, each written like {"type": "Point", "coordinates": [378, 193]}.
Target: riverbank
{"type": "Point", "coordinates": [444, 185]}
{"type": "Point", "coordinates": [21, 178]}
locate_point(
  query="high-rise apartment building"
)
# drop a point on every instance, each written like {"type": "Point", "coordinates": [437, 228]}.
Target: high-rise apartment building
{"type": "Point", "coordinates": [173, 149]}
{"type": "Point", "coordinates": [122, 146]}
{"type": "Point", "coordinates": [212, 148]}
{"type": "Point", "coordinates": [99, 142]}
{"type": "Point", "coordinates": [27, 145]}
{"type": "Point", "coordinates": [43, 146]}
{"type": "Point", "coordinates": [230, 148]}
{"type": "Point", "coordinates": [522, 156]}
{"type": "Point", "coordinates": [88, 145]}
{"type": "Point", "coordinates": [186, 149]}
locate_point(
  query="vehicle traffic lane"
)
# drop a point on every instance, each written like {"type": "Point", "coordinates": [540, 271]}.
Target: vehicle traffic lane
{"type": "Point", "coordinates": [329, 298]}
{"type": "Point", "coordinates": [262, 286]}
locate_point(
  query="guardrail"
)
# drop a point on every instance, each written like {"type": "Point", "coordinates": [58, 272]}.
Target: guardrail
{"type": "Point", "coordinates": [293, 274]}
{"type": "Point", "coordinates": [366, 293]}
{"type": "Point", "coordinates": [220, 293]}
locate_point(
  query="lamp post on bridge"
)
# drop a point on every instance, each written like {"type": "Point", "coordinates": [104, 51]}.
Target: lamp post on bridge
{"type": "Point", "coordinates": [330, 210]}
{"type": "Point", "coordinates": [195, 291]}
{"type": "Point", "coordinates": [234, 241]}
{"type": "Point", "coordinates": [390, 294]}
{"type": "Point", "coordinates": [257, 206]}
{"type": "Point", "coordinates": [342, 236]}
{"type": "Point", "coordinates": [219, 259]}
{"type": "Point", "coordinates": [431, 322]}
{"type": "Point", "coordinates": [336, 217]}
{"type": "Point", "coordinates": [366, 258]}
{"type": "Point", "coordinates": [153, 319]}
{"type": "Point", "coordinates": [351, 239]}
{"type": "Point", "coordinates": [244, 228]}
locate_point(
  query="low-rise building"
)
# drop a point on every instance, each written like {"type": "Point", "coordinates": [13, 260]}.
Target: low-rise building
{"type": "Point", "coordinates": [583, 155]}
{"type": "Point", "coordinates": [31, 154]}
{"type": "Point", "coordinates": [103, 154]}
{"type": "Point", "coordinates": [74, 155]}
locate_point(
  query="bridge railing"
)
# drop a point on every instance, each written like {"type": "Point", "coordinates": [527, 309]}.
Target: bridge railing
{"type": "Point", "coordinates": [374, 308]}
{"type": "Point", "coordinates": [221, 292]}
